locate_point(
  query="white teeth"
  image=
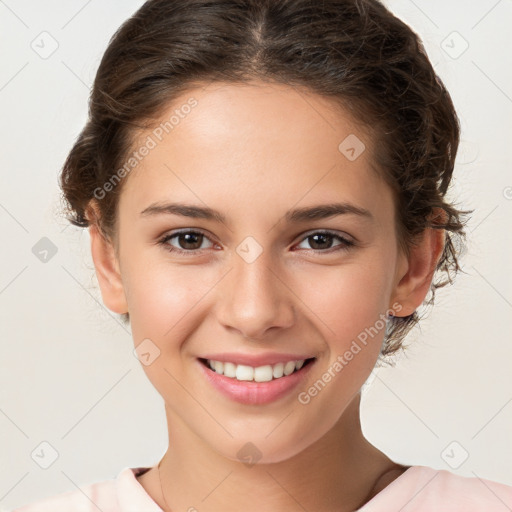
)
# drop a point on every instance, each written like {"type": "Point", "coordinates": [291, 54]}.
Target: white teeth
{"type": "Point", "coordinates": [278, 370]}
{"type": "Point", "coordinates": [263, 373]}
{"type": "Point", "coordinates": [230, 370]}
{"type": "Point", "coordinates": [244, 372]}
{"type": "Point", "coordinates": [218, 366]}
{"type": "Point", "coordinates": [259, 374]}
{"type": "Point", "coordinates": [289, 367]}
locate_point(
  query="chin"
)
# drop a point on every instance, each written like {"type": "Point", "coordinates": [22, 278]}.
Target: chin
{"type": "Point", "coordinates": [258, 449]}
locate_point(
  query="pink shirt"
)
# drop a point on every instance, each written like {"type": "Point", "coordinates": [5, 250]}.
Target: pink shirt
{"type": "Point", "coordinates": [418, 489]}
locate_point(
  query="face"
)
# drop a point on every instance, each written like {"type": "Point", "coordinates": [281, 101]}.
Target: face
{"type": "Point", "coordinates": [266, 278]}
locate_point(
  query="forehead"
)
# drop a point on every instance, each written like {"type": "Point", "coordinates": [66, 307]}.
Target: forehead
{"type": "Point", "coordinates": [266, 142]}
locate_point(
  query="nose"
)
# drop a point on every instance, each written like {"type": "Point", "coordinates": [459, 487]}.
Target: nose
{"type": "Point", "coordinates": [254, 299]}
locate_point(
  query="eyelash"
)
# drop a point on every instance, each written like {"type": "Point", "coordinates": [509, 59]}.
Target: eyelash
{"type": "Point", "coordinates": [345, 244]}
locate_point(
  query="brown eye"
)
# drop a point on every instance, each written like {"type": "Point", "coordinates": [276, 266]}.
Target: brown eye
{"type": "Point", "coordinates": [185, 241]}
{"type": "Point", "coordinates": [190, 241]}
{"type": "Point", "coordinates": [322, 241]}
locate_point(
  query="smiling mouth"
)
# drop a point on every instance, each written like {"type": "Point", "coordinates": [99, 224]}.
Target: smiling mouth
{"type": "Point", "coordinates": [266, 373]}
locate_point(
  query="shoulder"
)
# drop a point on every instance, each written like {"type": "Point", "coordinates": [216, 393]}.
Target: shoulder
{"type": "Point", "coordinates": [473, 492]}
{"type": "Point", "coordinates": [422, 489]}
{"type": "Point", "coordinates": [101, 494]}
{"type": "Point", "coordinates": [107, 495]}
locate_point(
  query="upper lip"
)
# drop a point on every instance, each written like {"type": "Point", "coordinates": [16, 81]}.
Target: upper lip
{"type": "Point", "coordinates": [255, 360]}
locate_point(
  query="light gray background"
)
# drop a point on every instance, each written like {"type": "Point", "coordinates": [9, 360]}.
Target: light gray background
{"type": "Point", "coordinates": [68, 373]}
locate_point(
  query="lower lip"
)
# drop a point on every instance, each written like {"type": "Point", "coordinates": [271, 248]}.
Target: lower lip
{"type": "Point", "coordinates": [255, 393]}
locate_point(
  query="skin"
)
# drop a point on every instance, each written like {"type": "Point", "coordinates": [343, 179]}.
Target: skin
{"type": "Point", "coordinates": [253, 152]}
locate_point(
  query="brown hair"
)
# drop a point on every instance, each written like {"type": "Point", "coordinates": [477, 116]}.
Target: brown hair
{"type": "Point", "coordinates": [353, 51]}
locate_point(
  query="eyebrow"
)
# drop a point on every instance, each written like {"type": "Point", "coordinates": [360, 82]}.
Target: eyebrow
{"type": "Point", "coordinates": [297, 215]}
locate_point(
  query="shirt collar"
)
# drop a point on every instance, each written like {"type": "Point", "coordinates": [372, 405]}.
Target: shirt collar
{"type": "Point", "coordinates": [131, 495]}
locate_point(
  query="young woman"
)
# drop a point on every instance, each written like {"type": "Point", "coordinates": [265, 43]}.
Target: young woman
{"type": "Point", "coordinates": [264, 183]}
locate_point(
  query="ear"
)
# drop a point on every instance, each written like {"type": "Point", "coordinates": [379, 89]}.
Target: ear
{"type": "Point", "coordinates": [107, 271]}
{"type": "Point", "coordinates": [415, 276]}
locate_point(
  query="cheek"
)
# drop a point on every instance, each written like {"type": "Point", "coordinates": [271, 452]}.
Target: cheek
{"type": "Point", "coordinates": [163, 303]}
{"type": "Point", "coordinates": [162, 299]}
{"type": "Point", "coordinates": [350, 302]}
{"type": "Point", "coordinates": [348, 299]}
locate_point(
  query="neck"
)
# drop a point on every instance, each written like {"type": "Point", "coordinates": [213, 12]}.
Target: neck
{"type": "Point", "coordinates": [338, 472]}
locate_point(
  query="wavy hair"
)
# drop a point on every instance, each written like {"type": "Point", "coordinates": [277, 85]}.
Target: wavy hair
{"type": "Point", "coordinates": [355, 52]}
